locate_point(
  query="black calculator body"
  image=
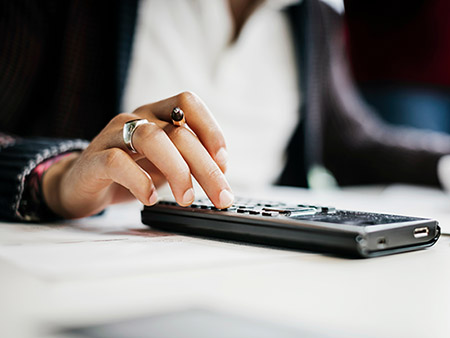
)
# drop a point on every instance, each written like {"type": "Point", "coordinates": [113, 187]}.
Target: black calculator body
{"type": "Point", "coordinates": [297, 226]}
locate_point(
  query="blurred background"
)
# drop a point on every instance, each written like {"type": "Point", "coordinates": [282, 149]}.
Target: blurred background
{"type": "Point", "coordinates": [400, 57]}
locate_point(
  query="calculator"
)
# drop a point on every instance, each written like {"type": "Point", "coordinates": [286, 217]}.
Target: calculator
{"type": "Point", "coordinates": [296, 226]}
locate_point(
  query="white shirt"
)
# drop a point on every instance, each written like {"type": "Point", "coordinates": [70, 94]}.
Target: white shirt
{"type": "Point", "coordinates": [250, 85]}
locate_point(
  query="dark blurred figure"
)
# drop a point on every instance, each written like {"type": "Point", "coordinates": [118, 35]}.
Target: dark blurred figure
{"type": "Point", "coordinates": [400, 55]}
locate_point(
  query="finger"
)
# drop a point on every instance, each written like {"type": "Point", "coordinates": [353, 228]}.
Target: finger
{"type": "Point", "coordinates": [202, 166]}
{"type": "Point", "coordinates": [158, 178]}
{"type": "Point", "coordinates": [200, 120]}
{"type": "Point", "coordinates": [122, 169]}
{"type": "Point", "coordinates": [151, 141]}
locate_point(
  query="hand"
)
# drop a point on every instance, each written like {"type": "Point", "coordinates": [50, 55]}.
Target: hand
{"type": "Point", "coordinates": [106, 172]}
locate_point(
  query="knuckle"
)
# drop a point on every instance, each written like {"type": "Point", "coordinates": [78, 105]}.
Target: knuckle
{"type": "Point", "coordinates": [183, 173]}
{"type": "Point", "coordinates": [187, 98]}
{"type": "Point", "coordinates": [214, 173]}
{"type": "Point", "coordinates": [123, 118]}
{"type": "Point", "coordinates": [145, 109]}
{"type": "Point", "coordinates": [147, 185]}
{"type": "Point", "coordinates": [175, 132]}
{"type": "Point", "coordinates": [176, 172]}
{"type": "Point", "coordinates": [113, 158]}
{"type": "Point", "coordinates": [147, 131]}
{"type": "Point", "coordinates": [148, 181]}
{"type": "Point", "coordinates": [214, 133]}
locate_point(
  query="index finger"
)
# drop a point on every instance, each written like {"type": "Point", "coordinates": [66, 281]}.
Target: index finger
{"type": "Point", "coordinates": [200, 120]}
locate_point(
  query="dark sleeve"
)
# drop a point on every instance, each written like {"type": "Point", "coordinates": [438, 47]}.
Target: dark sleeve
{"type": "Point", "coordinates": [356, 145]}
{"type": "Point", "coordinates": [18, 157]}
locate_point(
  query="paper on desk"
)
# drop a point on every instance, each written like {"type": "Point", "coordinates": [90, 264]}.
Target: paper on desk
{"type": "Point", "coordinates": [117, 244]}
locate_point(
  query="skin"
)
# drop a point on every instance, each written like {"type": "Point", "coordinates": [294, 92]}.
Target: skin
{"type": "Point", "coordinates": [240, 11]}
{"type": "Point", "coordinates": [83, 184]}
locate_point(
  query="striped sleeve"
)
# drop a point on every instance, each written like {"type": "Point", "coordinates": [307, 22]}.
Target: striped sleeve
{"type": "Point", "coordinates": [18, 158]}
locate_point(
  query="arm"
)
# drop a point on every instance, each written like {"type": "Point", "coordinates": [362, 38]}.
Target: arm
{"type": "Point", "coordinates": [107, 172]}
{"type": "Point", "coordinates": [374, 151]}
{"type": "Point", "coordinates": [18, 158]}
{"type": "Point", "coordinates": [59, 79]}
{"type": "Point", "coordinates": [355, 145]}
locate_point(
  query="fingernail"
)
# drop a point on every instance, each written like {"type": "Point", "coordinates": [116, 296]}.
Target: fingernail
{"type": "Point", "coordinates": [226, 199]}
{"type": "Point", "coordinates": [153, 197]}
{"type": "Point", "coordinates": [188, 196]}
{"type": "Point", "coordinates": [222, 157]}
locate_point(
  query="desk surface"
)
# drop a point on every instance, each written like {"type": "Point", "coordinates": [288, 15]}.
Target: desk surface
{"type": "Point", "coordinates": [112, 267]}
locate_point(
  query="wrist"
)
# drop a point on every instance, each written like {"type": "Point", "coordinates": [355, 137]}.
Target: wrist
{"type": "Point", "coordinates": [52, 186]}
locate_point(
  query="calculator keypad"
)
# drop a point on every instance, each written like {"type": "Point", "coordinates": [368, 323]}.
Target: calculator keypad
{"type": "Point", "coordinates": [260, 208]}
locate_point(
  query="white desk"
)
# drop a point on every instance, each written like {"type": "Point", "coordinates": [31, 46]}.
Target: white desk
{"type": "Point", "coordinates": [111, 267]}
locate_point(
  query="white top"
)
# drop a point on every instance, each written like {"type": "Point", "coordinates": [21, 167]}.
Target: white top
{"type": "Point", "coordinates": [250, 85]}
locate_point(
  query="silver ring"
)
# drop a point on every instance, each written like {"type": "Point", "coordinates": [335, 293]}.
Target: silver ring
{"type": "Point", "coordinates": [128, 130]}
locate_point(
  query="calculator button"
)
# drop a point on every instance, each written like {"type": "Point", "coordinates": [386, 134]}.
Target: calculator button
{"type": "Point", "coordinates": [167, 203]}
{"type": "Point", "coordinates": [270, 213]}
{"type": "Point", "coordinates": [250, 211]}
{"type": "Point", "coordinates": [309, 206]}
{"type": "Point", "coordinates": [280, 211]}
{"type": "Point", "coordinates": [328, 209]}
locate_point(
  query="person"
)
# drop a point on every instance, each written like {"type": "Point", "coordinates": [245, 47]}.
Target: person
{"type": "Point", "coordinates": [64, 71]}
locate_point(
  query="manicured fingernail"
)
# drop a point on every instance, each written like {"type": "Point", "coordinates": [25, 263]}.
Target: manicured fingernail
{"type": "Point", "coordinates": [188, 196]}
{"type": "Point", "coordinates": [222, 157]}
{"type": "Point", "coordinates": [226, 199]}
{"type": "Point", "coordinates": [153, 197]}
